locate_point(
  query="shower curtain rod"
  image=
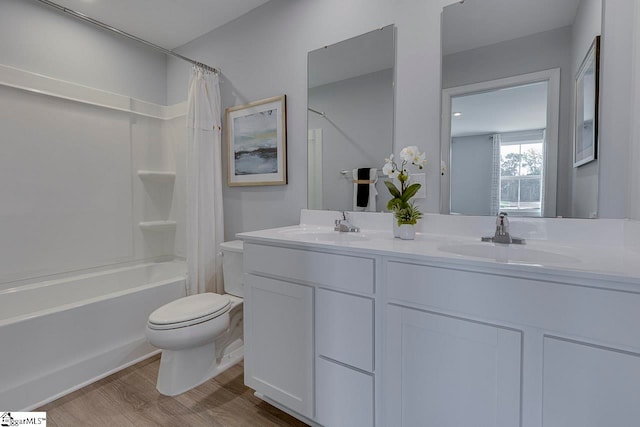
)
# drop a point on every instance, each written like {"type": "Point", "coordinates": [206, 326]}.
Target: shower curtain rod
{"type": "Point", "coordinates": [320, 113]}
{"type": "Point", "coordinates": [100, 24]}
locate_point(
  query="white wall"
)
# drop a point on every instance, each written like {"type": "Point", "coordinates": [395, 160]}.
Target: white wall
{"type": "Point", "coordinates": [615, 105]}
{"type": "Point", "coordinates": [357, 132]}
{"type": "Point", "coordinates": [538, 52]}
{"type": "Point", "coordinates": [471, 174]}
{"type": "Point", "coordinates": [633, 207]}
{"type": "Point", "coordinates": [586, 26]}
{"type": "Point", "coordinates": [37, 38]}
{"type": "Point", "coordinates": [264, 53]}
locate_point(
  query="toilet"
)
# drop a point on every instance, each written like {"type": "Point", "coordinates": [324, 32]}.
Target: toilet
{"type": "Point", "coordinates": [200, 335]}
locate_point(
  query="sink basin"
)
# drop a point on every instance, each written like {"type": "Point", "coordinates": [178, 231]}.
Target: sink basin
{"type": "Point", "coordinates": [324, 235]}
{"type": "Point", "coordinates": [514, 254]}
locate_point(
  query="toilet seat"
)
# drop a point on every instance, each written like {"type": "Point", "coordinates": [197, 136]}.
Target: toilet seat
{"type": "Point", "coordinates": [189, 311]}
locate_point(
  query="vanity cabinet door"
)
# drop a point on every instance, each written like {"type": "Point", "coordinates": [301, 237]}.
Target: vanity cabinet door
{"type": "Point", "coordinates": [279, 341]}
{"type": "Point", "coordinates": [448, 372]}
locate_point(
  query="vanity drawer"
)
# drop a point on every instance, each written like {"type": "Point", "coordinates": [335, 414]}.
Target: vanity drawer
{"type": "Point", "coordinates": [344, 397]}
{"type": "Point", "coordinates": [345, 328]}
{"type": "Point", "coordinates": [563, 309]}
{"type": "Point", "coordinates": [345, 272]}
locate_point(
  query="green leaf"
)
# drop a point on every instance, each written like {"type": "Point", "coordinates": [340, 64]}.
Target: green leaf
{"type": "Point", "coordinates": [395, 204]}
{"type": "Point", "coordinates": [410, 192]}
{"type": "Point", "coordinates": [392, 189]}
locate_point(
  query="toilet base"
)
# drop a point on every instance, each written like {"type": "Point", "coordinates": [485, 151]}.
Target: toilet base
{"type": "Point", "coordinates": [182, 370]}
{"type": "Point", "coordinates": [185, 368]}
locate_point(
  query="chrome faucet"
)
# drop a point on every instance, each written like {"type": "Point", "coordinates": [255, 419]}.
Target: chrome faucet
{"type": "Point", "coordinates": [344, 225]}
{"type": "Point", "coordinates": [502, 234]}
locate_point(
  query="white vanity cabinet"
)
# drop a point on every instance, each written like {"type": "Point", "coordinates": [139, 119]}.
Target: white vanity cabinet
{"type": "Point", "coordinates": [498, 348]}
{"type": "Point", "coordinates": [344, 335]}
{"type": "Point", "coordinates": [309, 332]}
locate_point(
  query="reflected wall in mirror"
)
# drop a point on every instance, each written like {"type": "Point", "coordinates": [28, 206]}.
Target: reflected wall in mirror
{"type": "Point", "coordinates": [350, 121]}
{"type": "Point", "coordinates": [508, 70]}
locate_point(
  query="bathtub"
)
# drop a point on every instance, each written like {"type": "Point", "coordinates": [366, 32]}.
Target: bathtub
{"type": "Point", "coordinates": [60, 335]}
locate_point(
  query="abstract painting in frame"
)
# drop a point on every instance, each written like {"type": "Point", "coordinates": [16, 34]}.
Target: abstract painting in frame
{"type": "Point", "coordinates": [257, 143]}
{"type": "Point", "coordinates": [585, 131]}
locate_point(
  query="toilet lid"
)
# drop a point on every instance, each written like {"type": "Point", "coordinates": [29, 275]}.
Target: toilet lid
{"type": "Point", "coordinates": [194, 307]}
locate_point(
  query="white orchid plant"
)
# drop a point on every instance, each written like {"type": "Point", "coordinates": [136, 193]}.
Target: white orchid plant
{"type": "Point", "coordinates": [400, 204]}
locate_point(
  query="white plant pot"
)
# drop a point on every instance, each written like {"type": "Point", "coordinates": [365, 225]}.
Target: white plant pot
{"type": "Point", "coordinates": [396, 228]}
{"type": "Point", "coordinates": [407, 231]}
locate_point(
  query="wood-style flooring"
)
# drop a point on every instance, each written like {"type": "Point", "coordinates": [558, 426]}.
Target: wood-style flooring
{"type": "Point", "coordinates": [130, 398]}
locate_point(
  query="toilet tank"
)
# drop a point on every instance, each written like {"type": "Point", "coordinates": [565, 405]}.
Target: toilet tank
{"type": "Point", "coordinates": [232, 267]}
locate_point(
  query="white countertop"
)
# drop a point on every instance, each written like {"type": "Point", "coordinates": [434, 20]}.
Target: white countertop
{"type": "Point", "coordinates": [608, 263]}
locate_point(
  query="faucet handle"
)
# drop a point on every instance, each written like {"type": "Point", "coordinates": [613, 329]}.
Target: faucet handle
{"type": "Point", "coordinates": [502, 219]}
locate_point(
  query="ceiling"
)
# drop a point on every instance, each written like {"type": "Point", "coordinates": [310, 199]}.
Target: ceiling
{"type": "Point", "coordinates": [476, 23]}
{"type": "Point", "coordinates": [167, 23]}
{"type": "Point", "coordinates": [503, 110]}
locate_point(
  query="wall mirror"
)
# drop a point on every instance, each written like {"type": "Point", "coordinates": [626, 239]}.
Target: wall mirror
{"type": "Point", "coordinates": [508, 99]}
{"type": "Point", "coordinates": [350, 121]}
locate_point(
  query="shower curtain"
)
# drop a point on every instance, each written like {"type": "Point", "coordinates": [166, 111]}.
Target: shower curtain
{"type": "Point", "coordinates": [205, 229]}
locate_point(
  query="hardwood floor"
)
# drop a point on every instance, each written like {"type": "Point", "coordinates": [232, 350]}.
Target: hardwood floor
{"type": "Point", "coordinates": [130, 398]}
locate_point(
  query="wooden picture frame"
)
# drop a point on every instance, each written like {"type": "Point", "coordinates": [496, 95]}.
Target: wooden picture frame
{"type": "Point", "coordinates": [257, 143]}
{"type": "Point", "coordinates": [585, 123]}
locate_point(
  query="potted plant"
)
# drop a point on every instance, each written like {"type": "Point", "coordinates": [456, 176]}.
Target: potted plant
{"type": "Point", "coordinates": [404, 210]}
{"type": "Point", "coordinates": [407, 218]}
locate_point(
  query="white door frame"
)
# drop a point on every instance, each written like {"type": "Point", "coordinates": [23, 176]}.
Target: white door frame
{"type": "Point", "coordinates": [552, 77]}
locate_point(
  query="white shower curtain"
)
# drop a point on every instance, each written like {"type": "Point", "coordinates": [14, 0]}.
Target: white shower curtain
{"type": "Point", "coordinates": [205, 229]}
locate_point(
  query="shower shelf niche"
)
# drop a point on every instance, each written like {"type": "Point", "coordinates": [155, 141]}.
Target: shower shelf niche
{"type": "Point", "coordinates": [156, 175]}
{"type": "Point", "coordinates": [157, 225]}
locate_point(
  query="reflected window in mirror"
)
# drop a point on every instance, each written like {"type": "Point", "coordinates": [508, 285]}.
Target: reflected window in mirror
{"type": "Point", "coordinates": [350, 121]}
{"type": "Point", "coordinates": [493, 46]}
{"type": "Point", "coordinates": [497, 151]}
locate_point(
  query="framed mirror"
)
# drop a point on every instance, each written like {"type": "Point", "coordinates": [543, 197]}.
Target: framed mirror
{"type": "Point", "coordinates": [350, 121]}
{"type": "Point", "coordinates": [508, 94]}
{"type": "Point", "coordinates": [587, 88]}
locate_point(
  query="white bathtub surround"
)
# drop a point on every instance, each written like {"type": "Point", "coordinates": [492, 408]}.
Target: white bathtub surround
{"type": "Point", "coordinates": [63, 334]}
{"type": "Point", "coordinates": [72, 195]}
{"type": "Point", "coordinates": [205, 224]}
{"type": "Point", "coordinates": [390, 332]}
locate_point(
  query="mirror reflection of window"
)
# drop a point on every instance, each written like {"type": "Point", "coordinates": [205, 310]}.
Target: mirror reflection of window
{"type": "Point", "coordinates": [498, 150]}
{"type": "Point", "coordinates": [490, 44]}
{"type": "Point", "coordinates": [521, 175]}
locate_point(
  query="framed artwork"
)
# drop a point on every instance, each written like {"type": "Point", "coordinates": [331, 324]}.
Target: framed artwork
{"type": "Point", "coordinates": [585, 125]}
{"type": "Point", "coordinates": [257, 143]}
